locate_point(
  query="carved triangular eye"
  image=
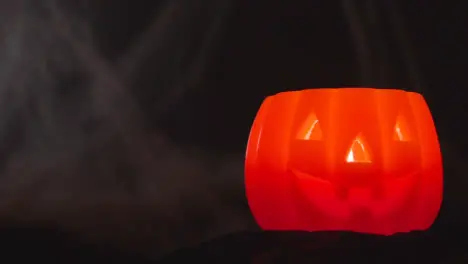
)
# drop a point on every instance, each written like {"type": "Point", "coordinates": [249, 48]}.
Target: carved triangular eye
{"type": "Point", "coordinates": [358, 152]}
{"type": "Point", "coordinates": [401, 131]}
{"type": "Point", "coordinates": [310, 129]}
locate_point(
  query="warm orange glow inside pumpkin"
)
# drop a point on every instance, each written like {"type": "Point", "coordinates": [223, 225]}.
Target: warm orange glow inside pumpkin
{"type": "Point", "coordinates": [358, 153]}
{"type": "Point", "coordinates": [310, 130]}
{"type": "Point", "coordinates": [401, 130]}
{"type": "Point", "coordinates": [358, 159]}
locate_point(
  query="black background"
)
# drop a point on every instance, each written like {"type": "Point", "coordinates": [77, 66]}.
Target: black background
{"type": "Point", "coordinates": [266, 47]}
{"type": "Point", "coordinates": [272, 47]}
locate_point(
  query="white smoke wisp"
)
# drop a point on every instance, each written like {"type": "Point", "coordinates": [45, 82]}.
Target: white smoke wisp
{"type": "Point", "coordinates": [76, 147]}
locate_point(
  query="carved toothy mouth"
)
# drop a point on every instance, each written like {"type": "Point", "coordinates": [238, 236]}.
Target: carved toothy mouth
{"type": "Point", "coordinates": [324, 195]}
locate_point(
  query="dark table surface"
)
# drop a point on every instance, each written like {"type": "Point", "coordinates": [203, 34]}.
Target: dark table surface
{"type": "Point", "coordinates": [444, 243]}
{"type": "Point", "coordinates": [324, 248]}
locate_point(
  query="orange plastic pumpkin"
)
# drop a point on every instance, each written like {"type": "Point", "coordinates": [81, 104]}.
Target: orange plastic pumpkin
{"type": "Point", "coordinates": [352, 159]}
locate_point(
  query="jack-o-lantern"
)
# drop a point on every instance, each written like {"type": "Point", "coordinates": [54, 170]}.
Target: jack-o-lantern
{"type": "Point", "coordinates": [352, 159]}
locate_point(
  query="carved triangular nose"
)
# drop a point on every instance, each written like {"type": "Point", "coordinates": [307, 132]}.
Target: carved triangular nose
{"type": "Point", "coordinates": [358, 152]}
